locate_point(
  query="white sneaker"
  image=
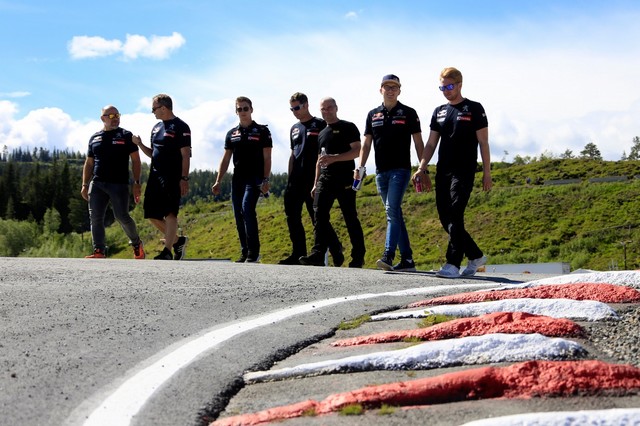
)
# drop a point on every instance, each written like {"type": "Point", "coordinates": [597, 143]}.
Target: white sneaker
{"type": "Point", "coordinates": [473, 265]}
{"type": "Point", "coordinates": [448, 271]}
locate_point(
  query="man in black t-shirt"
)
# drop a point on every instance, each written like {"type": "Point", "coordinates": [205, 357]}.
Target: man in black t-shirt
{"type": "Point", "coordinates": [249, 145]}
{"type": "Point", "coordinates": [170, 154]}
{"type": "Point", "coordinates": [105, 177]}
{"type": "Point", "coordinates": [461, 126]}
{"type": "Point", "coordinates": [333, 180]}
{"type": "Point", "coordinates": [301, 176]}
{"type": "Point", "coordinates": [389, 128]}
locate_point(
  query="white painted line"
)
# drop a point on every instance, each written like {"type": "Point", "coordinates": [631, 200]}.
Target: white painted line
{"type": "Point", "coordinates": [125, 402]}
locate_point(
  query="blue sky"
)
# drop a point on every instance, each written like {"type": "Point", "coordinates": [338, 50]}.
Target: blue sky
{"type": "Point", "coordinates": [552, 75]}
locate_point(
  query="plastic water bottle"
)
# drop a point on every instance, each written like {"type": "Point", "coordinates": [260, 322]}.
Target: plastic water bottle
{"type": "Point", "coordinates": [418, 184]}
{"type": "Point", "coordinates": [357, 183]}
{"type": "Point", "coordinates": [323, 152]}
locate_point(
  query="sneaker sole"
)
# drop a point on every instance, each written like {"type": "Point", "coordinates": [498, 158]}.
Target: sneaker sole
{"type": "Point", "coordinates": [384, 266]}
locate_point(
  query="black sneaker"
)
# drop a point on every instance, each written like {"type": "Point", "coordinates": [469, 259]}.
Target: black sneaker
{"type": "Point", "coordinates": [314, 259]}
{"type": "Point", "coordinates": [291, 260]}
{"type": "Point", "coordinates": [165, 254]}
{"type": "Point", "coordinates": [356, 263]}
{"type": "Point", "coordinates": [385, 263]}
{"type": "Point", "coordinates": [242, 258]}
{"type": "Point", "coordinates": [180, 248]}
{"type": "Point", "coordinates": [252, 258]}
{"type": "Point", "coordinates": [405, 265]}
{"type": "Point", "coordinates": [338, 257]}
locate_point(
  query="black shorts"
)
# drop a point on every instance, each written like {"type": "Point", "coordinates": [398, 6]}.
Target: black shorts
{"type": "Point", "coordinates": [162, 197]}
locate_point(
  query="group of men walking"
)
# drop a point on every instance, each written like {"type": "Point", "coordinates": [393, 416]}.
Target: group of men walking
{"type": "Point", "coordinates": [321, 170]}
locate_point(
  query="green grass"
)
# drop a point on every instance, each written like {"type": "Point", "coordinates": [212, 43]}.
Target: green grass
{"type": "Point", "coordinates": [354, 323]}
{"type": "Point", "coordinates": [588, 225]}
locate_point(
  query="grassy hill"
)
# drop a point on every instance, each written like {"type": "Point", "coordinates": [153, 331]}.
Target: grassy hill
{"type": "Point", "coordinates": [589, 225]}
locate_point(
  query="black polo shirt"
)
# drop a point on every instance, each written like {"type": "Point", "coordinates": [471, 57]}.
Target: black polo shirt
{"type": "Point", "coordinates": [110, 150]}
{"type": "Point", "coordinates": [304, 146]}
{"type": "Point", "coordinates": [167, 139]}
{"type": "Point", "coordinates": [247, 144]}
{"type": "Point", "coordinates": [391, 133]}
{"type": "Point", "coordinates": [457, 126]}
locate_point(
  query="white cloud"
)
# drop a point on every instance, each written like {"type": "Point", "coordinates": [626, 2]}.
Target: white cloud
{"type": "Point", "coordinates": [16, 94]}
{"type": "Point", "coordinates": [83, 47]}
{"type": "Point", "coordinates": [135, 46]}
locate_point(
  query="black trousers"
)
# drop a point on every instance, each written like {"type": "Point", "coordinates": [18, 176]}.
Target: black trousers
{"type": "Point", "coordinates": [295, 197]}
{"type": "Point", "coordinates": [329, 189]}
{"type": "Point", "coordinates": [452, 196]}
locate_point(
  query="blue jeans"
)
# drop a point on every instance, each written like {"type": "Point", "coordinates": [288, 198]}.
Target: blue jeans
{"type": "Point", "coordinates": [244, 198]}
{"type": "Point", "coordinates": [392, 185]}
{"type": "Point", "coordinates": [100, 193]}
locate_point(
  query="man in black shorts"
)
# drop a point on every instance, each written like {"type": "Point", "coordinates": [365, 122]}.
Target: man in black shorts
{"type": "Point", "coordinates": [105, 177]}
{"type": "Point", "coordinates": [334, 178]}
{"type": "Point", "coordinates": [249, 144]}
{"type": "Point", "coordinates": [461, 126]}
{"type": "Point", "coordinates": [302, 173]}
{"type": "Point", "coordinates": [170, 154]}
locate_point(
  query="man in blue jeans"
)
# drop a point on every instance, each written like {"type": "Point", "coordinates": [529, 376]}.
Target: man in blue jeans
{"type": "Point", "coordinates": [105, 177]}
{"type": "Point", "coordinates": [249, 145]}
{"type": "Point", "coordinates": [389, 128]}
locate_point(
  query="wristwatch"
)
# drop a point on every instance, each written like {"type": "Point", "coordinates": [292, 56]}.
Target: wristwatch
{"type": "Point", "coordinates": [185, 178]}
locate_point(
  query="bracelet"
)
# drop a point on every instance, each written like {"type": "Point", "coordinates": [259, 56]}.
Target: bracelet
{"type": "Point", "coordinates": [85, 185]}
{"type": "Point", "coordinates": [136, 182]}
{"type": "Point", "coordinates": [265, 180]}
{"type": "Point", "coordinates": [185, 178]}
{"type": "Point", "coordinates": [425, 171]}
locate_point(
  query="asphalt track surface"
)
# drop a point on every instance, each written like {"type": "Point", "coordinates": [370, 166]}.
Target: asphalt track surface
{"type": "Point", "coordinates": [90, 342]}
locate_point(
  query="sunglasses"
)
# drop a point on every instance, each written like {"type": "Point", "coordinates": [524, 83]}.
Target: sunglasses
{"type": "Point", "coordinates": [296, 108]}
{"type": "Point", "coordinates": [447, 87]}
{"type": "Point", "coordinates": [245, 109]}
{"type": "Point", "coordinates": [153, 109]}
{"type": "Point", "coordinates": [112, 116]}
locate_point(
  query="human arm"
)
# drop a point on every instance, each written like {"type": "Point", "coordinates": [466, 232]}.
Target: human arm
{"type": "Point", "coordinates": [266, 154]}
{"type": "Point", "coordinates": [222, 170]}
{"type": "Point", "coordinates": [365, 150]}
{"type": "Point", "coordinates": [136, 169]}
{"type": "Point", "coordinates": [418, 143]}
{"type": "Point", "coordinates": [148, 151]}
{"type": "Point", "coordinates": [427, 154]}
{"type": "Point", "coordinates": [185, 151]}
{"type": "Point", "coordinates": [485, 154]}
{"type": "Point", "coordinates": [352, 154]}
{"type": "Point", "coordinates": [87, 174]}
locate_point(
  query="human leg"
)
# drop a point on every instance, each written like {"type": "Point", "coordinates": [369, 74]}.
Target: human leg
{"type": "Point", "coordinates": [249, 202]}
{"type": "Point", "coordinates": [119, 194]}
{"type": "Point", "coordinates": [294, 198]}
{"type": "Point", "coordinates": [347, 200]}
{"type": "Point", "coordinates": [237, 195]}
{"type": "Point", "coordinates": [98, 201]}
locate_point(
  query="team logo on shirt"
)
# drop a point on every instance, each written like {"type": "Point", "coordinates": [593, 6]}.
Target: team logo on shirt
{"type": "Point", "coordinates": [295, 132]}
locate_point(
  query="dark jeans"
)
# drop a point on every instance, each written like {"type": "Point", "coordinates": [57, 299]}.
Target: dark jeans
{"type": "Point", "coordinates": [245, 193]}
{"type": "Point", "coordinates": [329, 189]}
{"type": "Point", "coordinates": [295, 197]}
{"type": "Point", "coordinates": [100, 193]}
{"type": "Point", "coordinates": [452, 195]}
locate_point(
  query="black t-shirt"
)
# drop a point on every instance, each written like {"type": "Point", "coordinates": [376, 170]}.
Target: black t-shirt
{"type": "Point", "coordinates": [391, 132]}
{"type": "Point", "coordinates": [247, 144]}
{"type": "Point", "coordinates": [337, 138]}
{"type": "Point", "coordinates": [167, 140]}
{"type": "Point", "coordinates": [304, 146]}
{"type": "Point", "coordinates": [110, 150]}
{"type": "Point", "coordinates": [457, 126]}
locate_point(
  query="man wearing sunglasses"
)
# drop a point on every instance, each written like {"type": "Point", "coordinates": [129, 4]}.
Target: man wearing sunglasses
{"type": "Point", "coordinates": [249, 144]}
{"type": "Point", "coordinates": [390, 127]}
{"type": "Point", "coordinates": [170, 154]}
{"type": "Point", "coordinates": [301, 176]}
{"type": "Point", "coordinates": [460, 126]}
{"type": "Point", "coordinates": [105, 177]}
